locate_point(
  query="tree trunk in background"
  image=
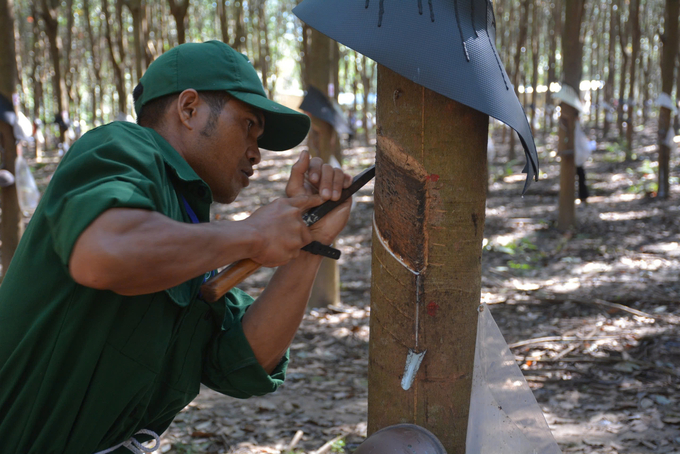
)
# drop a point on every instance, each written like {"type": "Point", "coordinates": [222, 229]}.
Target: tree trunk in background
{"type": "Point", "coordinates": [668, 63]}
{"type": "Point", "coordinates": [367, 68]}
{"type": "Point", "coordinates": [137, 11]}
{"type": "Point", "coordinates": [644, 84]}
{"type": "Point", "coordinates": [555, 32]}
{"type": "Point", "coordinates": [95, 69]}
{"type": "Point", "coordinates": [572, 48]}
{"type": "Point", "coordinates": [517, 69]}
{"type": "Point", "coordinates": [611, 67]}
{"type": "Point", "coordinates": [68, 74]}
{"type": "Point", "coordinates": [263, 41]}
{"type": "Point", "coordinates": [11, 217]}
{"type": "Point", "coordinates": [322, 142]}
{"type": "Point", "coordinates": [36, 73]}
{"type": "Point", "coordinates": [335, 70]}
{"type": "Point", "coordinates": [623, 42]}
{"type": "Point", "coordinates": [239, 42]}
{"type": "Point", "coordinates": [178, 9]}
{"type": "Point", "coordinates": [50, 17]}
{"type": "Point", "coordinates": [535, 46]}
{"type": "Point", "coordinates": [116, 62]}
{"type": "Point", "coordinates": [634, 19]}
{"type": "Point", "coordinates": [224, 20]}
{"type": "Point", "coordinates": [430, 195]}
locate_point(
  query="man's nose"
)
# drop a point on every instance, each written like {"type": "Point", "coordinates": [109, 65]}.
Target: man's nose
{"type": "Point", "coordinates": [254, 155]}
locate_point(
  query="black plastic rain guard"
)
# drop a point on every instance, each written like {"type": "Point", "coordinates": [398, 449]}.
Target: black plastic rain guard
{"type": "Point", "coordinates": [446, 46]}
{"type": "Point", "coordinates": [317, 104]}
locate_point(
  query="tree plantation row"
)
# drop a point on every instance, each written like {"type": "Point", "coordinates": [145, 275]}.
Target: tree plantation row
{"type": "Point", "coordinates": [82, 58]}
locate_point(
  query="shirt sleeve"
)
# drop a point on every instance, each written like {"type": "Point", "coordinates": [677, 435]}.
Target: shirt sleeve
{"type": "Point", "coordinates": [94, 177]}
{"type": "Point", "coordinates": [230, 366]}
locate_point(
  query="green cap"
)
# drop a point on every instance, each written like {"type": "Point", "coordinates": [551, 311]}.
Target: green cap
{"type": "Point", "coordinates": [213, 66]}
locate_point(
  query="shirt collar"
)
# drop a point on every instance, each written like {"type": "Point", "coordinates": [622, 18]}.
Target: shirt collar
{"type": "Point", "coordinates": [174, 159]}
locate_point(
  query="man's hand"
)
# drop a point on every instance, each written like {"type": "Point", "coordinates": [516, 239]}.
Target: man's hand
{"type": "Point", "coordinates": [313, 178]}
{"type": "Point", "coordinates": [281, 230]}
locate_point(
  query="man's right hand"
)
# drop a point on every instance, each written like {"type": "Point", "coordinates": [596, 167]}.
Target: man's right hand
{"type": "Point", "coordinates": [281, 230]}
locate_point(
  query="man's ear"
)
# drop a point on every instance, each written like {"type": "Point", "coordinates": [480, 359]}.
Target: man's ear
{"type": "Point", "coordinates": [187, 108]}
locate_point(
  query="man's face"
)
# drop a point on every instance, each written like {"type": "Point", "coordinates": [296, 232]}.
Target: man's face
{"type": "Point", "coordinates": [225, 152]}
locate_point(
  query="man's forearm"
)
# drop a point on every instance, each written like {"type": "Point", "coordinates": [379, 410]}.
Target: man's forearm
{"type": "Point", "coordinates": [134, 252]}
{"type": "Point", "coordinates": [272, 321]}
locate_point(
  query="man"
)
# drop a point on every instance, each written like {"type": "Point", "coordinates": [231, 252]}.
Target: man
{"type": "Point", "coordinates": [103, 334]}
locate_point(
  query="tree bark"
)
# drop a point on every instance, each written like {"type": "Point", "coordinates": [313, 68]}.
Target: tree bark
{"type": "Point", "coordinates": [263, 34]}
{"type": "Point", "coordinates": [634, 19]}
{"type": "Point", "coordinates": [50, 16]}
{"type": "Point", "coordinates": [572, 49]}
{"type": "Point", "coordinates": [69, 73]}
{"type": "Point", "coordinates": [322, 142]}
{"type": "Point", "coordinates": [136, 8]}
{"type": "Point", "coordinates": [240, 32]}
{"type": "Point", "coordinates": [535, 49]}
{"type": "Point", "coordinates": [430, 195]}
{"type": "Point", "coordinates": [224, 20]}
{"type": "Point", "coordinates": [95, 68]}
{"type": "Point", "coordinates": [367, 69]}
{"type": "Point", "coordinates": [623, 42]}
{"type": "Point", "coordinates": [611, 67]}
{"type": "Point", "coordinates": [668, 63]}
{"type": "Point", "coordinates": [11, 218]}
{"type": "Point", "coordinates": [517, 70]}
{"type": "Point", "coordinates": [116, 61]}
{"type": "Point", "coordinates": [178, 9]}
{"type": "Point", "coordinates": [555, 32]}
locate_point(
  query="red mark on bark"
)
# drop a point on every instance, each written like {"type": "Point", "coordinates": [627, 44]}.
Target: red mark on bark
{"type": "Point", "coordinates": [432, 309]}
{"type": "Point", "coordinates": [433, 177]}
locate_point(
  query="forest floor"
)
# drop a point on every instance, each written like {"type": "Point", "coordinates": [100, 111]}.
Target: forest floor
{"type": "Point", "coordinates": [592, 316]}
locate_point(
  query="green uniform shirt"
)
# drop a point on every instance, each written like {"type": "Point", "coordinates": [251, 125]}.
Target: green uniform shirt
{"type": "Point", "coordinates": [81, 370]}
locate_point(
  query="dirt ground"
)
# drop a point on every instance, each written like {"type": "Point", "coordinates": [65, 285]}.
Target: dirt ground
{"type": "Point", "coordinates": [592, 316]}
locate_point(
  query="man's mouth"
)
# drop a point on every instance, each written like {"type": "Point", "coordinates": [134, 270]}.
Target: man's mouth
{"type": "Point", "coordinates": [247, 174]}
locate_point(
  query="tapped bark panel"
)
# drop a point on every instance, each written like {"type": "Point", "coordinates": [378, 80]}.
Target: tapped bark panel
{"type": "Point", "coordinates": [401, 204]}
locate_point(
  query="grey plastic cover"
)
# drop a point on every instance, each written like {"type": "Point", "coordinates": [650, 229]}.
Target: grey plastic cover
{"type": "Point", "coordinates": [446, 46]}
{"type": "Point", "coordinates": [318, 104]}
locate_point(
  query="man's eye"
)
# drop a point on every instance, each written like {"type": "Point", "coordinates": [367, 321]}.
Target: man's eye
{"type": "Point", "coordinates": [251, 123]}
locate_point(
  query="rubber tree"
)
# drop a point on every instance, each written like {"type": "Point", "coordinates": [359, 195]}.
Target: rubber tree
{"type": "Point", "coordinates": [668, 59]}
{"type": "Point", "coordinates": [426, 269]}
{"type": "Point", "coordinates": [572, 48]}
{"type": "Point", "coordinates": [11, 218]}
{"type": "Point", "coordinates": [634, 20]}
{"type": "Point", "coordinates": [611, 65]}
{"type": "Point", "coordinates": [179, 9]}
{"type": "Point", "coordinates": [50, 15]}
{"type": "Point", "coordinates": [322, 142]}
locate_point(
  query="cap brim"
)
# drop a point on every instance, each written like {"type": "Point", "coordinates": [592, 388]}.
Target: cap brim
{"type": "Point", "coordinates": [284, 128]}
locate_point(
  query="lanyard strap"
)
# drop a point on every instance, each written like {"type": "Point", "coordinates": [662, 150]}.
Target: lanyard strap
{"type": "Point", "coordinates": [194, 219]}
{"type": "Point", "coordinates": [190, 212]}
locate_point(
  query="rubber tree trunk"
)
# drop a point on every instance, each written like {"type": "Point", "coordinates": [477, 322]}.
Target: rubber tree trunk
{"type": "Point", "coordinates": [625, 57]}
{"type": "Point", "coordinates": [179, 9]}
{"type": "Point", "coordinates": [322, 142]}
{"type": "Point", "coordinates": [668, 59]}
{"type": "Point", "coordinates": [634, 19]}
{"type": "Point", "coordinates": [517, 68]}
{"type": "Point", "coordinates": [11, 219]}
{"type": "Point", "coordinates": [611, 67]}
{"type": "Point", "coordinates": [572, 48]}
{"type": "Point", "coordinates": [430, 195]}
{"type": "Point", "coordinates": [556, 26]}
{"type": "Point", "coordinates": [137, 11]}
{"type": "Point", "coordinates": [50, 15]}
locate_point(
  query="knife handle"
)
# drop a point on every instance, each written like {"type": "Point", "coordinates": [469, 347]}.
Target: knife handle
{"type": "Point", "coordinates": [218, 285]}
